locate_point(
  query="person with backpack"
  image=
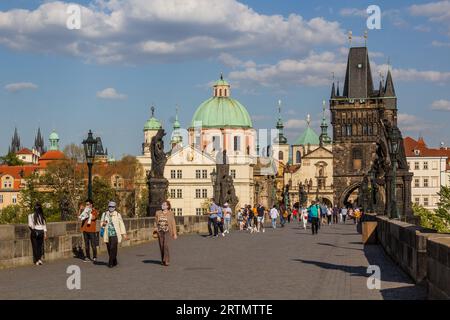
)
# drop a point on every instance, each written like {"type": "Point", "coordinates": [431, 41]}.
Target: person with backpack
{"type": "Point", "coordinates": [113, 232]}
{"type": "Point", "coordinates": [88, 216]}
{"type": "Point", "coordinates": [314, 214]}
{"type": "Point", "coordinates": [38, 228]}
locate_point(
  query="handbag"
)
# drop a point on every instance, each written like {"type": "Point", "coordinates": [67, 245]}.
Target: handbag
{"type": "Point", "coordinates": [102, 232]}
{"type": "Point", "coordinates": [155, 234]}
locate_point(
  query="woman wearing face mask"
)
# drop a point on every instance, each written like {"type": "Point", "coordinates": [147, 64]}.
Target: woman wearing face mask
{"type": "Point", "coordinates": [165, 226]}
{"type": "Point", "coordinates": [114, 232]}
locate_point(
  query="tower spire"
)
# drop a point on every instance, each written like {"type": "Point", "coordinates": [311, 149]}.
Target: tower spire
{"type": "Point", "coordinates": [333, 91]}
{"type": "Point", "coordinates": [338, 91]}
{"type": "Point", "coordinates": [324, 138]}
{"type": "Point", "coordinates": [280, 126]}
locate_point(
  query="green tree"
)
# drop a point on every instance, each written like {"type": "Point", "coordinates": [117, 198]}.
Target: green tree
{"type": "Point", "coordinates": [13, 214]}
{"type": "Point", "coordinates": [11, 159]}
{"type": "Point", "coordinates": [31, 194]}
{"type": "Point", "coordinates": [142, 203]}
{"type": "Point", "coordinates": [103, 193]}
{"type": "Point", "coordinates": [438, 219]}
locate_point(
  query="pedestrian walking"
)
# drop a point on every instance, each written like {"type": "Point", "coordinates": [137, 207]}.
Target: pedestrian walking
{"type": "Point", "coordinates": [251, 215]}
{"type": "Point", "coordinates": [88, 216]}
{"type": "Point", "coordinates": [38, 233]}
{"type": "Point", "coordinates": [344, 214]}
{"type": "Point", "coordinates": [114, 232]}
{"type": "Point", "coordinates": [261, 210]}
{"type": "Point", "coordinates": [304, 217]}
{"type": "Point", "coordinates": [314, 213]}
{"type": "Point", "coordinates": [335, 214]}
{"type": "Point", "coordinates": [295, 214]}
{"type": "Point", "coordinates": [212, 219]}
{"type": "Point", "coordinates": [166, 227]}
{"type": "Point", "coordinates": [227, 217]}
{"type": "Point", "coordinates": [329, 215]}
{"type": "Point", "coordinates": [240, 219]}
{"type": "Point", "coordinates": [220, 221]}
{"type": "Point", "coordinates": [274, 215]}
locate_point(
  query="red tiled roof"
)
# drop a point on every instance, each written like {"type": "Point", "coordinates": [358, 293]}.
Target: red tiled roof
{"type": "Point", "coordinates": [52, 155]}
{"type": "Point", "coordinates": [411, 145]}
{"type": "Point", "coordinates": [16, 172]}
{"type": "Point", "coordinates": [25, 151]}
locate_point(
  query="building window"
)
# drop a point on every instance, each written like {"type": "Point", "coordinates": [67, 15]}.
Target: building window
{"type": "Point", "coordinates": [1, 198]}
{"type": "Point", "coordinates": [172, 174]}
{"type": "Point", "coordinates": [425, 182]}
{"type": "Point", "coordinates": [409, 166]}
{"type": "Point", "coordinates": [179, 193]}
{"type": "Point", "coordinates": [233, 173]}
{"type": "Point", "coordinates": [179, 174]}
{"type": "Point", "coordinates": [204, 193]}
{"type": "Point", "coordinates": [370, 130]}
{"type": "Point", "coordinates": [197, 193]}
{"type": "Point", "coordinates": [225, 90]}
{"type": "Point", "coordinates": [197, 174]}
{"type": "Point", "coordinates": [357, 159]}
{"type": "Point", "coordinates": [237, 143]}
{"type": "Point", "coordinates": [179, 211]}
{"type": "Point", "coordinates": [347, 130]}
{"type": "Point", "coordinates": [220, 92]}
{"type": "Point", "coordinates": [298, 157]}
{"type": "Point", "coordinates": [216, 143]}
{"type": "Point", "coordinates": [198, 211]}
{"type": "Point", "coordinates": [425, 165]}
{"type": "Point", "coordinates": [7, 184]}
{"type": "Point", "coordinates": [280, 155]}
{"type": "Point", "coordinates": [172, 193]}
{"type": "Point", "coordinates": [416, 166]}
{"type": "Point", "coordinates": [425, 202]}
{"type": "Point", "coordinates": [416, 183]}
{"type": "Point", "coordinates": [204, 174]}
{"type": "Point", "coordinates": [417, 201]}
{"type": "Point", "coordinates": [14, 199]}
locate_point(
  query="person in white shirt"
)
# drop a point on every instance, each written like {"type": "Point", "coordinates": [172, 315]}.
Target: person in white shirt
{"type": "Point", "coordinates": [304, 214]}
{"type": "Point", "coordinates": [274, 214]}
{"type": "Point", "coordinates": [38, 228]}
{"type": "Point", "coordinates": [329, 215]}
{"type": "Point", "coordinates": [344, 214]}
{"type": "Point", "coordinates": [227, 217]}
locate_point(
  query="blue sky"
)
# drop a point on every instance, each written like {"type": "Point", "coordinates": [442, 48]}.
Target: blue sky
{"type": "Point", "coordinates": [167, 53]}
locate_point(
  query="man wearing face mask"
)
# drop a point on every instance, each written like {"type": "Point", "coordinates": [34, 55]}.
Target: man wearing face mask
{"type": "Point", "coordinates": [166, 227]}
{"type": "Point", "coordinates": [114, 232]}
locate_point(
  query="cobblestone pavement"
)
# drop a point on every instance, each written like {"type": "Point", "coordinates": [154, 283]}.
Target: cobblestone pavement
{"type": "Point", "coordinates": [285, 263]}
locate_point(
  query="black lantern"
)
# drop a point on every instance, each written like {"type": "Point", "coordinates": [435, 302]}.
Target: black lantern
{"type": "Point", "coordinates": [90, 148]}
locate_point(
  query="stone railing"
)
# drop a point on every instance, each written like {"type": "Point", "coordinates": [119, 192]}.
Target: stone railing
{"type": "Point", "coordinates": [422, 253]}
{"type": "Point", "coordinates": [65, 239]}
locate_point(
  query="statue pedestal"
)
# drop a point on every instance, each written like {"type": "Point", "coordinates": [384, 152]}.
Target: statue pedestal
{"type": "Point", "coordinates": [157, 194]}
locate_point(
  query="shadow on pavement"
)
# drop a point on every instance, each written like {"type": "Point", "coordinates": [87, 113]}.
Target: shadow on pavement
{"type": "Point", "coordinates": [332, 245]}
{"type": "Point", "coordinates": [152, 261]}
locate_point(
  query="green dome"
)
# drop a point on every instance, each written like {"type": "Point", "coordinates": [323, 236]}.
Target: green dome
{"type": "Point", "coordinates": [307, 137]}
{"type": "Point", "coordinates": [221, 82]}
{"type": "Point", "coordinates": [222, 112]}
{"type": "Point", "coordinates": [53, 136]}
{"type": "Point", "coordinates": [152, 124]}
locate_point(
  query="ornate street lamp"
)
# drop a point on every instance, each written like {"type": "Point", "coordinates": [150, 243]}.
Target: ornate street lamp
{"type": "Point", "coordinates": [395, 138]}
{"type": "Point", "coordinates": [90, 148]}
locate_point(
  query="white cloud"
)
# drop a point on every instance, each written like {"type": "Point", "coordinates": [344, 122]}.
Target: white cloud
{"type": "Point", "coordinates": [136, 31]}
{"type": "Point", "coordinates": [316, 70]}
{"type": "Point", "coordinates": [353, 12]}
{"type": "Point", "coordinates": [437, 12]}
{"type": "Point", "coordinates": [440, 44]}
{"type": "Point", "coordinates": [412, 123]}
{"type": "Point", "coordinates": [295, 124]}
{"type": "Point", "coordinates": [14, 87]}
{"type": "Point", "coordinates": [443, 105]}
{"type": "Point", "coordinates": [110, 93]}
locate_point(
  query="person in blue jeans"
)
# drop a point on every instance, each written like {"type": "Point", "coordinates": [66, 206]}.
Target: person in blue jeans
{"type": "Point", "coordinates": [220, 220]}
{"type": "Point", "coordinates": [212, 220]}
{"type": "Point", "coordinates": [314, 213]}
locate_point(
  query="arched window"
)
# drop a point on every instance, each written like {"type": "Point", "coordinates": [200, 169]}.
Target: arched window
{"type": "Point", "coordinates": [237, 143]}
{"type": "Point", "coordinates": [280, 155]}
{"type": "Point", "coordinates": [220, 92]}
{"type": "Point", "coordinates": [298, 156]}
{"type": "Point", "coordinates": [215, 92]}
{"type": "Point", "coordinates": [225, 92]}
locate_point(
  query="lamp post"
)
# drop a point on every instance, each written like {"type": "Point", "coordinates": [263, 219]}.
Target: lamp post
{"type": "Point", "coordinates": [90, 147]}
{"type": "Point", "coordinates": [395, 137]}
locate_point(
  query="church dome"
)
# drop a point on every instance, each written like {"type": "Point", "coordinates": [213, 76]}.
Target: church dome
{"type": "Point", "coordinates": [53, 136]}
{"type": "Point", "coordinates": [222, 111]}
{"type": "Point", "coordinates": [152, 123]}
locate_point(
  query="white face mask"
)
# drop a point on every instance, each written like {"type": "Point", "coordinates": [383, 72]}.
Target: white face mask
{"type": "Point", "coordinates": [112, 209]}
{"type": "Point", "coordinates": [164, 207]}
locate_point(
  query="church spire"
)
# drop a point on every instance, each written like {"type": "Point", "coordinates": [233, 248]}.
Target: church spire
{"type": "Point", "coordinates": [324, 138]}
{"type": "Point", "coordinates": [333, 91]}
{"type": "Point", "coordinates": [338, 92]}
{"type": "Point", "coordinates": [39, 142]}
{"type": "Point", "coordinates": [281, 139]}
{"type": "Point", "coordinates": [15, 142]}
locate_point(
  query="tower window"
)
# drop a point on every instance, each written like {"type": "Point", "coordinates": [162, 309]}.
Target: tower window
{"type": "Point", "coordinates": [357, 159]}
{"type": "Point", "coordinates": [237, 143]}
{"type": "Point", "coordinates": [220, 92]}
{"type": "Point", "coordinates": [280, 155]}
{"type": "Point", "coordinates": [298, 157]}
{"type": "Point", "coordinates": [225, 92]}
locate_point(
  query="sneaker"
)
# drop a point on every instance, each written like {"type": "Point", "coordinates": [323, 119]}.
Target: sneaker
{"type": "Point", "coordinates": [223, 234]}
{"type": "Point", "coordinates": [86, 260]}
{"type": "Point", "coordinates": [37, 263]}
{"type": "Point", "coordinates": [94, 260]}
{"type": "Point", "coordinates": [264, 230]}
{"type": "Point", "coordinates": [40, 262]}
